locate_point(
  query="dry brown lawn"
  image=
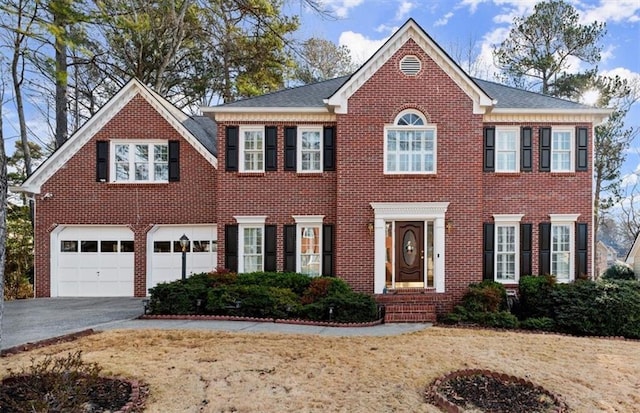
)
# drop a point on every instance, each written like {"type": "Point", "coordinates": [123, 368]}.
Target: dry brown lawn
{"type": "Point", "coordinates": [195, 371]}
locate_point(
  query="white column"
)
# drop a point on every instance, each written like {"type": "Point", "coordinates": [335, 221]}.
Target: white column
{"type": "Point", "coordinates": [380, 256]}
{"type": "Point", "coordinates": [438, 252]}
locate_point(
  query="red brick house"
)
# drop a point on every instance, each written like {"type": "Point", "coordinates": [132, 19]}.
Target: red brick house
{"type": "Point", "coordinates": [408, 179]}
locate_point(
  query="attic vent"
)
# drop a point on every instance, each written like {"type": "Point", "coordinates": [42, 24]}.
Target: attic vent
{"type": "Point", "coordinates": [410, 65]}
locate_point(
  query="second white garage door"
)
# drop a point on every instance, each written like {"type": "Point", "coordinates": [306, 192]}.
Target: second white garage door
{"type": "Point", "coordinates": [165, 263]}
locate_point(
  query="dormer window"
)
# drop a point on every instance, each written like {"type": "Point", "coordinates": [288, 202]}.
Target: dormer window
{"type": "Point", "coordinates": [410, 145]}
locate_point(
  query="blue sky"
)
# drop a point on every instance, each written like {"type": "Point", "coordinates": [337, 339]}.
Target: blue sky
{"type": "Point", "coordinates": [364, 25]}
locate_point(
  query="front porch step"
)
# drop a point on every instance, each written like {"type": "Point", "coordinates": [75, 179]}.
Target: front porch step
{"type": "Point", "coordinates": [410, 313]}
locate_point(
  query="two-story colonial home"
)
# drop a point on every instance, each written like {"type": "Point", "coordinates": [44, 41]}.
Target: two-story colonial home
{"type": "Point", "coordinates": [409, 179]}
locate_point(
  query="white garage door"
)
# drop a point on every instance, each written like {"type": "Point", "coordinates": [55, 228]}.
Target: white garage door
{"type": "Point", "coordinates": [92, 261]}
{"type": "Point", "coordinates": [166, 254]}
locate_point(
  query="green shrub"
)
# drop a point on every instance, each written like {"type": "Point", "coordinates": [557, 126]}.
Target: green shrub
{"type": "Point", "coordinates": [539, 323]}
{"type": "Point", "coordinates": [606, 308]}
{"type": "Point", "coordinates": [180, 297]}
{"type": "Point", "coordinates": [487, 296]}
{"type": "Point", "coordinates": [321, 287]}
{"type": "Point", "coordinates": [619, 271]}
{"type": "Point", "coordinates": [294, 281]}
{"type": "Point", "coordinates": [535, 296]}
{"type": "Point", "coordinates": [253, 301]}
{"type": "Point", "coordinates": [340, 306]}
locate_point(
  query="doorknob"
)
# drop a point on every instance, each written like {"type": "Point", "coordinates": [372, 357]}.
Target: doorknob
{"type": "Point", "coordinates": [422, 254]}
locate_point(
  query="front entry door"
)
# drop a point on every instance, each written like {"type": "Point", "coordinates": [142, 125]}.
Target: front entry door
{"type": "Point", "coordinates": [409, 252]}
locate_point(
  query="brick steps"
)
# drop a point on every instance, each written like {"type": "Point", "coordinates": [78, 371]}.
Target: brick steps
{"type": "Point", "coordinates": [408, 308]}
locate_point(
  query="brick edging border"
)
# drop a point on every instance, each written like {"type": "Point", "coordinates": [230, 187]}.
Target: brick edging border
{"type": "Point", "coordinates": [46, 342]}
{"type": "Point", "coordinates": [296, 321]}
{"type": "Point", "coordinates": [432, 393]}
{"type": "Point", "coordinates": [138, 396]}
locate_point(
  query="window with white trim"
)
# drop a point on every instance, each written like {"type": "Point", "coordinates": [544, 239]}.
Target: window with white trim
{"type": "Point", "coordinates": [146, 161]}
{"type": "Point", "coordinates": [507, 251]}
{"type": "Point", "coordinates": [251, 149]}
{"type": "Point", "coordinates": [507, 150]}
{"type": "Point", "coordinates": [562, 147]}
{"type": "Point", "coordinates": [561, 251]}
{"type": "Point", "coordinates": [563, 246]}
{"type": "Point", "coordinates": [250, 243]}
{"type": "Point", "coordinates": [309, 244]}
{"type": "Point", "coordinates": [410, 145]}
{"type": "Point", "coordinates": [309, 149]}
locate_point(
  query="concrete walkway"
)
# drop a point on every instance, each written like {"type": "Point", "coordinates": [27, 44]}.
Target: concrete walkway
{"type": "Point", "coordinates": [29, 321]}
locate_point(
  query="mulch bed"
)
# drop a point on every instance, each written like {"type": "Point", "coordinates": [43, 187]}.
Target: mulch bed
{"type": "Point", "coordinates": [29, 394]}
{"type": "Point", "coordinates": [486, 391]}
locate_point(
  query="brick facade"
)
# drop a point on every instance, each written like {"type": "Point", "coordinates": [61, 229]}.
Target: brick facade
{"type": "Point", "coordinates": [447, 100]}
{"type": "Point", "coordinates": [77, 199]}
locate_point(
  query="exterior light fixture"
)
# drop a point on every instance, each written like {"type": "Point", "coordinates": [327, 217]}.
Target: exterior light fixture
{"type": "Point", "coordinates": [184, 243]}
{"type": "Point", "coordinates": [370, 227]}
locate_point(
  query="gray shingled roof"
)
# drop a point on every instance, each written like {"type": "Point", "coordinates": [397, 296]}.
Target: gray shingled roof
{"type": "Point", "coordinates": [310, 96]}
{"type": "Point", "coordinates": [511, 98]}
{"type": "Point", "coordinates": [205, 131]}
{"type": "Point", "coordinates": [306, 96]}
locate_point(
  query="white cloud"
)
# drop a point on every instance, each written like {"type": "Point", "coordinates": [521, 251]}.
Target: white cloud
{"type": "Point", "coordinates": [485, 57]}
{"type": "Point", "coordinates": [612, 11]}
{"type": "Point", "coordinates": [444, 20]}
{"type": "Point", "coordinates": [404, 9]}
{"type": "Point", "coordinates": [340, 8]}
{"type": "Point", "coordinates": [472, 4]}
{"type": "Point", "coordinates": [361, 47]}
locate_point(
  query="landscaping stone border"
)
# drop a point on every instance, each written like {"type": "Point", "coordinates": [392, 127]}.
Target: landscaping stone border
{"type": "Point", "coordinates": [46, 342]}
{"type": "Point", "coordinates": [432, 393]}
{"type": "Point", "coordinates": [196, 317]}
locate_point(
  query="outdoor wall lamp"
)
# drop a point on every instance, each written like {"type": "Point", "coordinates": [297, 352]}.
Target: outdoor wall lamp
{"type": "Point", "coordinates": [370, 227]}
{"type": "Point", "coordinates": [449, 225]}
{"type": "Point", "coordinates": [184, 243]}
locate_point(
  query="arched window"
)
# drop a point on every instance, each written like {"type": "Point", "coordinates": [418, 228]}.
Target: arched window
{"type": "Point", "coordinates": [410, 145]}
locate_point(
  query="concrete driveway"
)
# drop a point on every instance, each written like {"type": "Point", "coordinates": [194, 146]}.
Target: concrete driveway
{"type": "Point", "coordinates": [28, 321]}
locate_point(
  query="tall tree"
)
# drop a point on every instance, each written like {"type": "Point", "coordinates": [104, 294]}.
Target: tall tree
{"type": "Point", "coordinates": [246, 47]}
{"type": "Point", "coordinates": [539, 47]}
{"type": "Point", "coordinates": [321, 59]}
{"type": "Point", "coordinates": [611, 141]}
{"type": "Point", "coordinates": [3, 205]}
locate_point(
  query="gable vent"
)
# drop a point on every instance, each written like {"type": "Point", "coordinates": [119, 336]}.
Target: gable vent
{"type": "Point", "coordinates": [410, 65]}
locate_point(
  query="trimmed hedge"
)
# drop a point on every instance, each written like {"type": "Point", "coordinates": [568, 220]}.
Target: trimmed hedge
{"type": "Point", "coordinates": [484, 304]}
{"type": "Point", "coordinates": [264, 295]}
{"type": "Point", "coordinates": [619, 272]}
{"type": "Point", "coordinates": [600, 308]}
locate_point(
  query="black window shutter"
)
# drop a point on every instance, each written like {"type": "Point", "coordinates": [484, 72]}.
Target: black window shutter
{"type": "Point", "coordinates": [489, 149]}
{"type": "Point", "coordinates": [526, 149]}
{"type": "Point", "coordinates": [582, 149]}
{"type": "Point", "coordinates": [290, 248]}
{"type": "Point", "coordinates": [487, 248]}
{"type": "Point", "coordinates": [232, 151]}
{"type": "Point", "coordinates": [174, 161]}
{"type": "Point", "coordinates": [525, 249]}
{"type": "Point", "coordinates": [329, 144]}
{"type": "Point", "coordinates": [327, 250]}
{"type": "Point", "coordinates": [290, 140]}
{"type": "Point", "coordinates": [545, 149]}
{"type": "Point", "coordinates": [231, 247]}
{"type": "Point", "coordinates": [271, 148]}
{"type": "Point", "coordinates": [545, 248]}
{"type": "Point", "coordinates": [270, 237]}
{"type": "Point", "coordinates": [102, 161]}
{"type": "Point", "coordinates": [582, 243]}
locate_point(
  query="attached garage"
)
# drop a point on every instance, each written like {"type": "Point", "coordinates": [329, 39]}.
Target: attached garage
{"type": "Point", "coordinates": [165, 258]}
{"type": "Point", "coordinates": [92, 261]}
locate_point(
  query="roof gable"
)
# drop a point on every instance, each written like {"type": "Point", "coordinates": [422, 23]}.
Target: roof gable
{"type": "Point", "coordinates": [174, 116]}
{"type": "Point", "coordinates": [410, 31]}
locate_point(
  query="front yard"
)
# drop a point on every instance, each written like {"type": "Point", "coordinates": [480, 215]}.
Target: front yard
{"type": "Point", "coordinates": [196, 371]}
